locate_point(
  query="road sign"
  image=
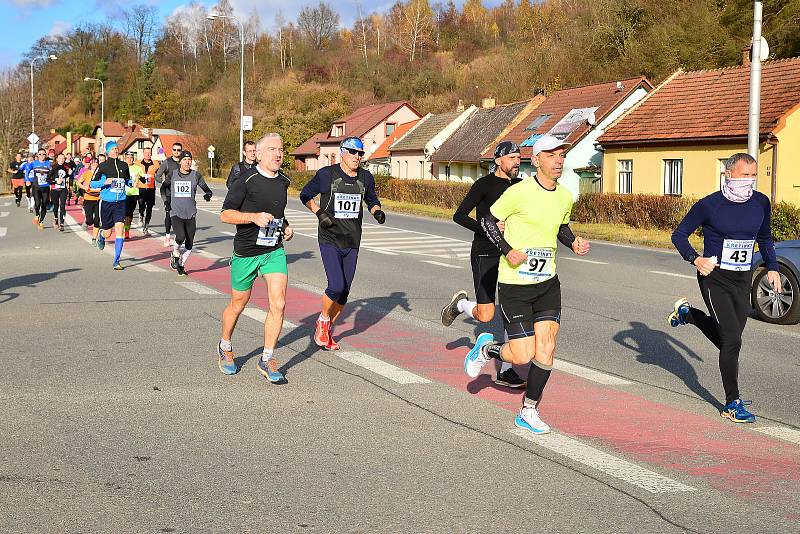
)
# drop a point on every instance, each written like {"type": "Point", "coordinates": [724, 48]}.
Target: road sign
{"type": "Point", "coordinates": [211, 149]}
{"type": "Point", "coordinates": [210, 155]}
{"type": "Point", "coordinates": [247, 123]}
{"type": "Point", "coordinates": [33, 138]}
{"type": "Point", "coordinates": [33, 147]}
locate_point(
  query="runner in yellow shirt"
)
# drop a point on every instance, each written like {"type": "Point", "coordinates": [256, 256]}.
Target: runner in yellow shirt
{"type": "Point", "coordinates": [132, 193]}
{"type": "Point", "coordinates": [536, 212]}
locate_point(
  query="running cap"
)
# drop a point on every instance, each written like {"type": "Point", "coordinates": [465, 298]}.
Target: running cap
{"type": "Point", "coordinates": [110, 145]}
{"type": "Point", "coordinates": [546, 143]}
{"type": "Point", "coordinates": [352, 142]}
{"type": "Point", "coordinates": [186, 154]}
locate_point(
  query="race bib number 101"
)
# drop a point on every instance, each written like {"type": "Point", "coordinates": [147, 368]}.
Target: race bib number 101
{"type": "Point", "coordinates": [539, 266]}
{"type": "Point", "coordinates": [346, 206]}
{"type": "Point", "coordinates": [737, 254]}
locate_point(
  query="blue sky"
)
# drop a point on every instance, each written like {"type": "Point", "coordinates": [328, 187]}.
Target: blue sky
{"type": "Point", "coordinates": [28, 20]}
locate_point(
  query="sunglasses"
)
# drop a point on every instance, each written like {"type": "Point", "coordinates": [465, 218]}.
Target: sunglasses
{"type": "Point", "coordinates": [177, 149]}
{"type": "Point", "coordinates": [356, 152]}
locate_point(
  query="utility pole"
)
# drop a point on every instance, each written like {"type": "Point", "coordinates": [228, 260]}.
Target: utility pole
{"type": "Point", "coordinates": [753, 128]}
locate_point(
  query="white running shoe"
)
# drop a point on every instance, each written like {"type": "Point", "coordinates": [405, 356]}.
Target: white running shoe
{"type": "Point", "coordinates": [476, 358]}
{"type": "Point", "coordinates": [529, 419]}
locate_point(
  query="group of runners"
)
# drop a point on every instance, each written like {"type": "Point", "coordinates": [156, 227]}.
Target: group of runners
{"type": "Point", "coordinates": [517, 226]}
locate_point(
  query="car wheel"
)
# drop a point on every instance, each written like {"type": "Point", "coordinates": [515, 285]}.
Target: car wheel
{"type": "Point", "coordinates": [780, 308]}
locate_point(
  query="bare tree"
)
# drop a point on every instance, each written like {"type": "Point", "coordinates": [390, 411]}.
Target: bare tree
{"type": "Point", "coordinates": [13, 124]}
{"type": "Point", "coordinates": [140, 24]}
{"type": "Point", "coordinates": [252, 31]}
{"type": "Point", "coordinates": [412, 23]}
{"type": "Point", "coordinates": [319, 24]}
{"type": "Point", "coordinates": [362, 28]}
{"type": "Point", "coordinates": [279, 22]}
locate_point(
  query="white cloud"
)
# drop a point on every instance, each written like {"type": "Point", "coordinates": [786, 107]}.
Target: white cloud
{"type": "Point", "coordinates": [60, 27]}
{"type": "Point", "coordinates": [33, 4]}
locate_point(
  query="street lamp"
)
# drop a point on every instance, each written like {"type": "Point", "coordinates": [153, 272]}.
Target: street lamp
{"type": "Point", "coordinates": [102, 110]}
{"type": "Point", "coordinates": [51, 56]}
{"type": "Point", "coordinates": [215, 16]}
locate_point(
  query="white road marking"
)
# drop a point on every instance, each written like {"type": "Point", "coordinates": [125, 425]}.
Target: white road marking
{"type": "Point", "coordinates": [380, 367]}
{"type": "Point", "coordinates": [232, 234]}
{"type": "Point", "coordinates": [4, 213]}
{"type": "Point", "coordinates": [150, 268]}
{"type": "Point", "coordinates": [207, 253]}
{"type": "Point", "coordinates": [583, 260]}
{"type": "Point", "coordinates": [589, 374]}
{"type": "Point", "coordinates": [6, 204]}
{"type": "Point", "coordinates": [604, 462]}
{"type": "Point", "coordinates": [440, 264]}
{"type": "Point", "coordinates": [674, 274]}
{"type": "Point", "coordinates": [260, 315]}
{"type": "Point", "coordinates": [3, 231]}
{"type": "Point", "coordinates": [781, 432]}
{"type": "Point", "coordinates": [200, 289]}
{"type": "Point", "coordinates": [379, 251]}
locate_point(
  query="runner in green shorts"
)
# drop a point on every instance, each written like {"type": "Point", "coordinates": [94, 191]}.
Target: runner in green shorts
{"type": "Point", "coordinates": [255, 203]}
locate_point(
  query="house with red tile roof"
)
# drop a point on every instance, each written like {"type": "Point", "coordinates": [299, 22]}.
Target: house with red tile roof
{"type": "Point", "coordinates": [675, 141]}
{"type": "Point", "coordinates": [379, 161]}
{"type": "Point", "coordinates": [373, 124]}
{"type": "Point", "coordinates": [105, 132]}
{"type": "Point", "coordinates": [305, 156]}
{"type": "Point", "coordinates": [578, 115]}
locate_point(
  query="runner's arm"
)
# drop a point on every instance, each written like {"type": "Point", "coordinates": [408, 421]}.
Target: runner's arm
{"type": "Point", "coordinates": [765, 243]}
{"type": "Point", "coordinates": [470, 202]}
{"type": "Point", "coordinates": [680, 237]}
{"type": "Point", "coordinates": [370, 194]}
{"type": "Point", "coordinates": [565, 235]}
{"type": "Point", "coordinates": [492, 231]}
{"type": "Point", "coordinates": [311, 190]}
{"type": "Point", "coordinates": [201, 183]}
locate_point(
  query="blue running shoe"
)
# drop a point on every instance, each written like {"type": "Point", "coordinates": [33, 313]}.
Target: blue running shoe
{"type": "Point", "coordinates": [736, 411]}
{"type": "Point", "coordinates": [225, 361]}
{"type": "Point", "coordinates": [679, 312]}
{"type": "Point", "coordinates": [101, 241]}
{"type": "Point", "coordinates": [529, 419]}
{"type": "Point", "coordinates": [477, 358]}
{"type": "Point", "coordinates": [270, 370]}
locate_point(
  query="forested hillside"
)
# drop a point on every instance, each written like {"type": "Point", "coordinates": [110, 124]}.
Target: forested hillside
{"type": "Point", "coordinates": [183, 72]}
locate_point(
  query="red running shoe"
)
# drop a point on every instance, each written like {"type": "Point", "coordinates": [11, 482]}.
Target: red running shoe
{"type": "Point", "coordinates": [322, 333]}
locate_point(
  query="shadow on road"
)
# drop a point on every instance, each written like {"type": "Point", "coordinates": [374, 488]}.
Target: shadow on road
{"type": "Point", "coordinates": [657, 348]}
{"type": "Point", "coordinates": [27, 280]}
{"type": "Point", "coordinates": [305, 255]}
{"type": "Point", "coordinates": [368, 312]}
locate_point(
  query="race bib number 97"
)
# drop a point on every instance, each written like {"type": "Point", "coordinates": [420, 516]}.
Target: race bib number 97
{"type": "Point", "coordinates": [182, 189]}
{"type": "Point", "coordinates": [539, 266]}
{"type": "Point", "coordinates": [346, 206]}
{"type": "Point", "coordinates": [270, 234]}
{"type": "Point", "coordinates": [737, 254]}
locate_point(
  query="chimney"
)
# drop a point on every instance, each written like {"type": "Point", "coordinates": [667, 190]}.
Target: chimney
{"type": "Point", "coordinates": [747, 52]}
{"type": "Point", "coordinates": [460, 106]}
{"type": "Point", "coordinates": [52, 131]}
{"type": "Point", "coordinates": [130, 124]}
{"type": "Point", "coordinates": [620, 87]}
{"type": "Point", "coordinates": [488, 103]}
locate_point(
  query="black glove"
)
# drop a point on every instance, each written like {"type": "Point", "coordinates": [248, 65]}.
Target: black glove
{"type": "Point", "coordinates": [143, 179]}
{"type": "Point", "coordinates": [207, 197]}
{"type": "Point", "coordinates": [325, 220]}
{"type": "Point", "coordinates": [380, 216]}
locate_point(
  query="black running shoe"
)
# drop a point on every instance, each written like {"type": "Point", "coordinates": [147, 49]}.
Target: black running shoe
{"type": "Point", "coordinates": [181, 270]}
{"type": "Point", "coordinates": [450, 312]}
{"type": "Point", "coordinates": [173, 262]}
{"type": "Point", "coordinates": [509, 379]}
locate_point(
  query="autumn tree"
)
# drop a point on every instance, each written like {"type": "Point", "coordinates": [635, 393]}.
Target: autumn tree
{"type": "Point", "coordinates": [318, 24]}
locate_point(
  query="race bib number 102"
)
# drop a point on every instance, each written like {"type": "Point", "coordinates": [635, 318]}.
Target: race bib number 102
{"type": "Point", "coordinates": [182, 188]}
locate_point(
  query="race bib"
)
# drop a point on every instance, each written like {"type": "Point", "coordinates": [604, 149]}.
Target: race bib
{"type": "Point", "coordinates": [148, 180]}
{"type": "Point", "coordinates": [182, 189]}
{"type": "Point", "coordinates": [117, 185]}
{"type": "Point", "coordinates": [539, 266]}
{"type": "Point", "coordinates": [346, 206]}
{"type": "Point", "coordinates": [737, 254]}
{"type": "Point", "coordinates": [41, 179]}
{"type": "Point", "coordinates": [270, 234]}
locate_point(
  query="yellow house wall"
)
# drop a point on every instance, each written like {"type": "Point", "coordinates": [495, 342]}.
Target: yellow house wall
{"type": "Point", "coordinates": [701, 168]}
{"type": "Point", "coordinates": [788, 177]}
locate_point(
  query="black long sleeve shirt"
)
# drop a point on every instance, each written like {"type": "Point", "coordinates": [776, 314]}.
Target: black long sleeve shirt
{"type": "Point", "coordinates": [484, 192]}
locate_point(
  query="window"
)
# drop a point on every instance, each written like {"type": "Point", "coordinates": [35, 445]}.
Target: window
{"type": "Point", "coordinates": [422, 170]}
{"type": "Point", "coordinates": [141, 145]}
{"type": "Point", "coordinates": [673, 177]}
{"type": "Point", "coordinates": [625, 176]}
{"type": "Point", "coordinates": [390, 126]}
{"type": "Point", "coordinates": [722, 173]}
{"type": "Point", "coordinates": [538, 121]}
{"type": "Point", "coordinates": [405, 169]}
{"type": "Point", "coordinates": [338, 130]}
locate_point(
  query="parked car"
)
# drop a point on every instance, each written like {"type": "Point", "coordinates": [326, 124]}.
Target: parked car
{"type": "Point", "coordinates": [782, 308]}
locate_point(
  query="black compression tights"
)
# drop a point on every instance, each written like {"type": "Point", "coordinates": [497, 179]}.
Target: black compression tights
{"type": "Point", "coordinates": [727, 297]}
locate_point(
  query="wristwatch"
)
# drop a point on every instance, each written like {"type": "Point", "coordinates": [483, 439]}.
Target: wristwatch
{"type": "Point", "coordinates": [691, 258]}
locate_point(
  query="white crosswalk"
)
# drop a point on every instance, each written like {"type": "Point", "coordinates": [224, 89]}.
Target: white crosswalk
{"type": "Point", "coordinates": [375, 237]}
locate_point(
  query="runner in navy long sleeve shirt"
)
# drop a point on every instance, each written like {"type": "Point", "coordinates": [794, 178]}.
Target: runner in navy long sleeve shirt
{"type": "Point", "coordinates": [733, 220]}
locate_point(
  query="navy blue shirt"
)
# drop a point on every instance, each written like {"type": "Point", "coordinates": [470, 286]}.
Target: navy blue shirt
{"type": "Point", "coordinates": [723, 219]}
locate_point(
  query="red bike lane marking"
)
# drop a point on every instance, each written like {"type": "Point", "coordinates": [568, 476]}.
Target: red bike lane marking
{"type": "Point", "coordinates": [727, 457]}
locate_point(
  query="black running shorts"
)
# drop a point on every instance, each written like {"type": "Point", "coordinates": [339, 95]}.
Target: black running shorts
{"type": "Point", "coordinates": [523, 305]}
{"type": "Point", "coordinates": [484, 276]}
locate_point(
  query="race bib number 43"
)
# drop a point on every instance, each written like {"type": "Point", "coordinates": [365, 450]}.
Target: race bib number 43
{"type": "Point", "coordinates": [346, 206]}
{"type": "Point", "coordinates": [270, 234]}
{"type": "Point", "coordinates": [117, 185]}
{"type": "Point", "coordinates": [183, 189]}
{"type": "Point", "coordinates": [539, 266]}
{"type": "Point", "coordinates": [737, 254]}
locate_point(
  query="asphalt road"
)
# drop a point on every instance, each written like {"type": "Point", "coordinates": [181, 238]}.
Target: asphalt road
{"type": "Point", "coordinates": [116, 418]}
